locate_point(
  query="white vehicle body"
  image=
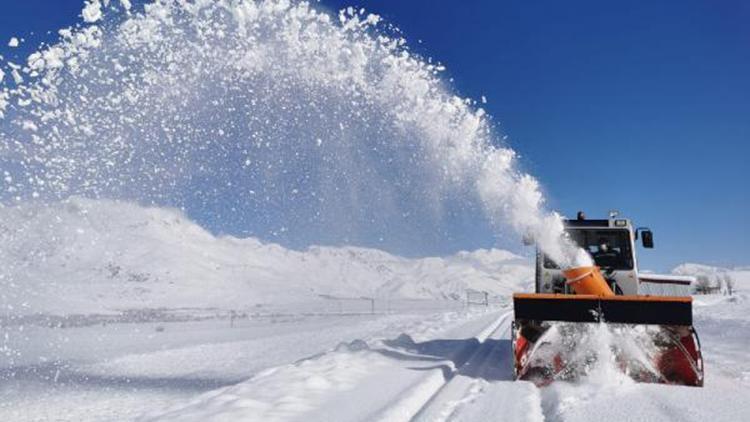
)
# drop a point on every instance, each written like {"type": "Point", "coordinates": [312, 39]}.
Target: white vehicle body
{"type": "Point", "coordinates": [618, 260]}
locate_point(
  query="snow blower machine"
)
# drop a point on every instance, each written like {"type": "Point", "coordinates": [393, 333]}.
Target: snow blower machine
{"type": "Point", "coordinates": [641, 323]}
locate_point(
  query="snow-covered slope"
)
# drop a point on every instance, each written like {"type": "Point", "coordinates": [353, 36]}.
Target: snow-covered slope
{"type": "Point", "coordinates": [723, 279]}
{"type": "Point", "coordinates": [741, 274]}
{"type": "Point", "coordinates": [84, 256]}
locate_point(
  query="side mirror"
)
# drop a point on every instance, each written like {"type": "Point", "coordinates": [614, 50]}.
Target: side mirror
{"type": "Point", "coordinates": [648, 239]}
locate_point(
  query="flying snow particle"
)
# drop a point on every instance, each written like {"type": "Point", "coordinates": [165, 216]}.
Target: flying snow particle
{"type": "Point", "coordinates": [3, 104]}
{"type": "Point", "coordinates": [484, 99]}
{"type": "Point", "coordinates": [29, 125]}
{"type": "Point", "coordinates": [17, 78]}
{"type": "Point", "coordinates": [13, 42]}
{"type": "Point", "coordinates": [92, 12]}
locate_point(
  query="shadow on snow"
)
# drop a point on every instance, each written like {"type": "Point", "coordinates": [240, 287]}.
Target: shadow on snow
{"type": "Point", "coordinates": [489, 360]}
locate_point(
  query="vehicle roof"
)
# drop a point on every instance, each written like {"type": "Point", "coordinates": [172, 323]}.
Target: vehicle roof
{"type": "Point", "coordinates": [596, 223]}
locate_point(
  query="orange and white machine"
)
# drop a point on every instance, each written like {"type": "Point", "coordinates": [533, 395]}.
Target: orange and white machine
{"type": "Point", "coordinates": [553, 325]}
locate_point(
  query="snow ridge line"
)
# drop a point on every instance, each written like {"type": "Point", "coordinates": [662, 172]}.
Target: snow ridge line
{"type": "Point", "coordinates": [422, 393]}
{"type": "Point", "coordinates": [492, 328]}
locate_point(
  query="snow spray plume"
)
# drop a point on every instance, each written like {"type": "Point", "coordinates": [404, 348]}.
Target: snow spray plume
{"type": "Point", "coordinates": [264, 117]}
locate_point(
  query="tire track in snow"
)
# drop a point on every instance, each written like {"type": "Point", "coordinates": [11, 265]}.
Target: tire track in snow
{"type": "Point", "coordinates": [483, 388]}
{"type": "Point", "coordinates": [442, 392]}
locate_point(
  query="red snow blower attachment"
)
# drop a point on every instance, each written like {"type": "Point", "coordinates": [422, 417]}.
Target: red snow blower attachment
{"type": "Point", "coordinates": [565, 332]}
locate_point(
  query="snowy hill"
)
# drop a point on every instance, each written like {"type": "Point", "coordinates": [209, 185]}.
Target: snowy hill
{"type": "Point", "coordinates": [717, 277]}
{"type": "Point", "coordinates": [98, 256]}
{"type": "Point", "coordinates": [740, 273]}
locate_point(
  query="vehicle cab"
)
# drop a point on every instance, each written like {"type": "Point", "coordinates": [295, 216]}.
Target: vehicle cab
{"type": "Point", "coordinates": [610, 242]}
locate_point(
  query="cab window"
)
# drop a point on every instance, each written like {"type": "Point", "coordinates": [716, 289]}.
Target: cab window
{"type": "Point", "coordinates": [610, 248]}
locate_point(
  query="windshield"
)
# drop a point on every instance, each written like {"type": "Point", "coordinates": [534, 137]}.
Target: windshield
{"type": "Point", "coordinates": [610, 248]}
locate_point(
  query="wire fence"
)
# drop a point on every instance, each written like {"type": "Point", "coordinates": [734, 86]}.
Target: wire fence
{"type": "Point", "coordinates": [477, 298]}
{"type": "Point", "coordinates": [321, 306]}
{"type": "Point", "coordinates": [333, 305]}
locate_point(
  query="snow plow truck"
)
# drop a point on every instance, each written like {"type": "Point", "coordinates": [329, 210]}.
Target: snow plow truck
{"type": "Point", "coordinates": [646, 318]}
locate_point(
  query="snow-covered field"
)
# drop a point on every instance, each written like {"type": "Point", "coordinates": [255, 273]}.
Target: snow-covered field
{"type": "Point", "coordinates": [112, 312]}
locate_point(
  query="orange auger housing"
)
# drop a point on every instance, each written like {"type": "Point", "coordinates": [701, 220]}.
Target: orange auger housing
{"type": "Point", "coordinates": [588, 281]}
{"type": "Point", "coordinates": [673, 349]}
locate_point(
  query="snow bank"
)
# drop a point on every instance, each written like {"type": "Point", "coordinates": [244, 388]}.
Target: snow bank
{"type": "Point", "coordinates": [288, 392]}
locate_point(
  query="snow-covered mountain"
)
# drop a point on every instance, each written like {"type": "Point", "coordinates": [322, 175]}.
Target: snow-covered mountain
{"type": "Point", "coordinates": [84, 256]}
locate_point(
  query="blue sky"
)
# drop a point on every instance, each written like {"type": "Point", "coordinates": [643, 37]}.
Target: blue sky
{"type": "Point", "coordinates": [640, 107]}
